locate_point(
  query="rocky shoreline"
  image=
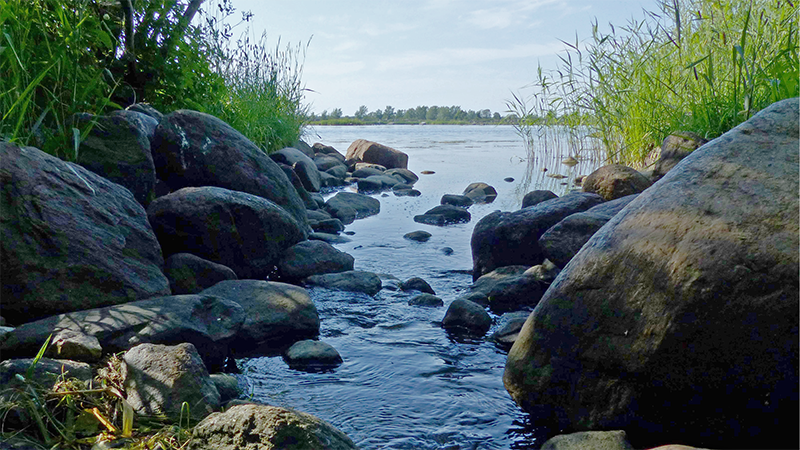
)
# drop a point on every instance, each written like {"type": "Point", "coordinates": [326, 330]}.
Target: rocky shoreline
{"type": "Point", "coordinates": [177, 241]}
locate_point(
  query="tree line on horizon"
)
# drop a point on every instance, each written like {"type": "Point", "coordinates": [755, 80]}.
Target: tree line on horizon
{"type": "Point", "coordinates": [427, 114]}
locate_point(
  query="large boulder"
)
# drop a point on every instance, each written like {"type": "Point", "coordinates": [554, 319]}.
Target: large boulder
{"type": "Point", "coordinates": [159, 379]}
{"type": "Point", "coordinates": [146, 123]}
{"type": "Point", "coordinates": [536, 197]}
{"type": "Point", "coordinates": [71, 239]}
{"type": "Point", "coordinates": [192, 149]}
{"type": "Point", "coordinates": [303, 166]}
{"type": "Point", "coordinates": [118, 148]}
{"type": "Point", "coordinates": [349, 206]}
{"type": "Point", "coordinates": [241, 231]}
{"type": "Point", "coordinates": [208, 322]}
{"type": "Point", "coordinates": [615, 181]}
{"type": "Point", "coordinates": [312, 258]}
{"type": "Point", "coordinates": [564, 239]}
{"type": "Point", "coordinates": [261, 427]}
{"type": "Point", "coordinates": [680, 316]}
{"type": "Point", "coordinates": [466, 318]}
{"type": "Point", "coordinates": [190, 274]}
{"type": "Point", "coordinates": [674, 148]}
{"type": "Point", "coordinates": [372, 152]}
{"type": "Point", "coordinates": [276, 313]}
{"type": "Point", "coordinates": [508, 288]}
{"type": "Point", "coordinates": [512, 238]}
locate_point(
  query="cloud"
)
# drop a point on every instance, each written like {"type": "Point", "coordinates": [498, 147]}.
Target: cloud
{"type": "Point", "coordinates": [509, 14]}
{"type": "Point", "coordinates": [451, 57]}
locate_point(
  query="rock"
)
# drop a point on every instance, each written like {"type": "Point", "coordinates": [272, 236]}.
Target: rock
{"type": "Point", "coordinates": [368, 170]}
{"type": "Point", "coordinates": [242, 231]}
{"type": "Point", "coordinates": [71, 239]}
{"type": "Point", "coordinates": [480, 193]}
{"type": "Point", "coordinates": [427, 300]}
{"type": "Point", "coordinates": [261, 427]}
{"type": "Point", "coordinates": [563, 240]}
{"type": "Point", "coordinates": [190, 274]}
{"type": "Point", "coordinates": [389, 281]}
{"type": "Point", "coordinates": [297, 184]}
{"type": "Point", "coordinates": [358, 165]}
{"type": "Point", "coordinates": [419, 236]}
{"type": "Point", "coordinates": [447, 251]}
{"type": "Point", "coordinates": [45, 373]}
{"type": "Point", "coordinates": [406, 192]}
{"type": "Point", "coordinates": [142, 121]}
{"type": "Point", "coordinates": [367, 186]}
{"type": "Point", "coordinates": [303, 147]}
{"type": "Point", "coordinates": [312, 356]}
{"type": "Point", "coordinates": [456, 200]}
{"type": "Point", "coordinates": [147, 109]}
{"type": "Point", "coordinates": [674, 148]}
{"type": "Point", "coordinates": [158, 379]}
{"type": "Point", "coordinates": [597, 440]}
{"type": "Point", "coordinates": [329, 238]}
{"type": "Point", "coordinates": [325, 163]}
{"type": "Point", "coordinates": [317, 197]}
{"type": "Point", "coordinates": [546, 272]}
{"type": "Point", "coordinates": [444, 215]}
{"type": "Point", "coordinates": [417, 284]}
{"type": "Point", "coordinates": [408, 176]}
{"type": "Point", "coordinates": [328, 150]}
{"type": "Point", "coordinates": [317, 215]}
{"type": "Point", "coordinates": [75, 346]}
{"type": "Point", "coordinates": [467, 317]}
{"type": "Point", "coordinates": [427, 172]}
{"type": "Point", "coordinates": [302, 165]}
{"type": "Point", "coordinates": [276, 313]}
{"type": "Point", "coordinates": [192, 149]}
{"type": "Point", "coordinates": [312, 258]}
{"type": "Point", "coordinates": [509, 327]}
{"type": "Point", "coordinates": [512, 238]}
{"type": "Point", "coordinates": [348, 206]}
{"type": "Point", "coordinates": [685, 301]}
{"type": "Point", "coordinates": [208, 322]}
{"type": "Point", "coordinates": [338, 171]}
{"type": "Point", "coordinates": [227, 385]}
{"type": "Point", "coordinates": [507, 288]}
{"type": "Point", "coordinates": [536, 197]}
{"type": "Point", "coordinates": [372, 152]}
{"type": "Point", "coordinates": [352, 280]}
{"type": "Point", "coordinates": [615, 181]}
{"type": "Point", "coordinates": [386, 181]}
{"type": "Point", "coordinates": [330, 226]}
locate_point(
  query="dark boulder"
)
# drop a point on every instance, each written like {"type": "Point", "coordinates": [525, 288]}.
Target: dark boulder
{"type": "Point", "coordinates": [404, 175]}
{"type": "Point", "coordinates": [312, 356]}
{"type": "Point", "coordinates": [444, 215]}
{"type": "Point", "coordinates": [242, 231]}
{"type": "Point", "coordinates": [466, 317]}
{"type": "Point", "coordinates": [563, 240]}
{"type": "Point", "coordinates": [674, 148]}
{"type": "Point", "coordinates": [456, 200]}
{"type": "Point", "coordinates": [480, 193]}
{"type": "Point", "coordinates": [312, 258]}
{"type": "Point", "coordinates": [276, 313]}
{"type": "Point", "coordinates": [372, 152]}
{"type": "Point", "coordinates": [147, 109]}
{"type": "Point", "coordinates": [349, 206]}
{"type": "Point", "coordinates": [509, 326]}
{"type": "Point", "coordinates": [301, 190]}
{"type": "Point", "coordinates": [680, 317]}
{"type": "Point", "coordinates": [512, 238]}
{"type": "Point", "coordinates": [419, 236]}
{"type": "Point", "coordinates": [406, 192]}
{"type": "Point", "coordinates": [536, 197]}
{"type": "Point", "coordinates": [325, 163]}
{"type": "Point", "coordinates": [192, 149]}
{"type": "Point", "coordinates": [508, 288]}
{"type": "Point", "coordinates": [367, 171]}
{"type": "Point", "coordinates": [303, 166]}
{"type": "Point", "coordinates": [417, 284]}
{"type": "Point", "coordinates": [615, 181]}
{"type": "Point", "coordinates": [71, 239]}
{"type": "Point", "coordinates": [352, 280]}
{"type": "Point", "coordinates": [190, 274]}
{"type": "Point", "coordinates": [426, 300]}
{"type": "Point", "coordinates": [142, 121]}
{"type": "Point", "coordinates": [327, 150]}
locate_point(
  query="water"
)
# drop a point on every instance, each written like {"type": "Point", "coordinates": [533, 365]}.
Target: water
{"type": "Point", "coordinates": [405, 383]}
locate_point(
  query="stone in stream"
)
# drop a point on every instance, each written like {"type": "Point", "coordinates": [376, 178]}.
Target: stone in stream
{"type": "Point", "coordinates": [406, 192]}
{"type": "Point", "coordinates": [193, 149]}
{"type": "Point", "coordinates": [536, 197]}
{"type": "Point", "coordinates": [598, 440]}
{"type": "Point", "coordinates": [419, 236]}
{"type": "Point", "coordinates": [456, 200]}
{"type": "Point", "coordinates": [312, 356]}
{"type": "Point", "coordinates": [372, 152]}
{"type": "Point", "coordinates": [444, 215]}
{"type": "Point", "coordinates": [302, 165]}
{"type": "Point", "coordinates": [680, 316]}
{"type": "Point", "coordinates": [352, 280]}
{"type": "Point", "coordinates": [406, 175]}
{"type": "Point", "coordinates": [426, 300]}
{"type": "Point", "coordinates": [417, 284]}
{"type": "Point", "coordinates": [312, 258]}
{"type": "Point", "coordinates": [71, 239]}
{"type": "Point", "coordinates": [507, 288]}
{"type": "Point", "coordinates": [349, 206]}
{"type": "Point", "coordinates": [466, 317]}
{"type": "Point", "coordinates": [480, 193]}
{"type": "Point", "coordinates": [509, 327]}
{"type": "Point", "coordinates": [270, 427]}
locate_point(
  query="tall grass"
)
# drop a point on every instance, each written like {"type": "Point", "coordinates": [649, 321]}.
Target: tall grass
{"type": "Point", "coordinates": [693, 65]}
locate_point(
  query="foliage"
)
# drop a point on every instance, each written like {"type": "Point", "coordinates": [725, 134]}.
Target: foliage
{"type": "Point", "coordinates": [432, 115]}
{"type": "Point", "coordinates": [694, 65]}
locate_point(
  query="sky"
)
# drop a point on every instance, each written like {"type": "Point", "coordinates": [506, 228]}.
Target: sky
{"type": "Point", "coordinates": [405, 53]}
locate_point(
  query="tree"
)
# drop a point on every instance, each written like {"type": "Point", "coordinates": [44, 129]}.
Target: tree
{"type": "Point", "coordinates": [362, 112]}
{"type": "Point", "coordinates": [388, 113]}
{"type": "Point", "coordinates": [336, 113]}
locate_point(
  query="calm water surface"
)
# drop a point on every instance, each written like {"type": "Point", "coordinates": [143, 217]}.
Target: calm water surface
{"type": "Point", "coordinates": [405, 383]}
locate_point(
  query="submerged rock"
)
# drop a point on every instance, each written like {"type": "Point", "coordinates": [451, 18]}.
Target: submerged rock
{"type": "Point", "coordinates": [480, 193]}
{"type": "Point", "coordinates": [466, 317]}
{"type": "Point", "coordinates": [419, 236]}
{"type": "Point", "coordinates": [312, 356]}
{"type": "Point", "coordinates": [427, 300]}
{"type": "Point", "coordinates": [444, 215]}
{"type": "Point", "coordinates": [352, 280]}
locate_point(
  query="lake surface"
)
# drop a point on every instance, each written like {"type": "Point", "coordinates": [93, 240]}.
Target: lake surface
{"type": "Point", "coordinates": [405, 383]}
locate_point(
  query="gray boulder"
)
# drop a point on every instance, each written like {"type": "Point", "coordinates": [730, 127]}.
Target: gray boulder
{"type": "Point", "coordinates": [328, 150]}
{"type": "Point", "coordinates": [303, 166]}
{"type": "Point", "coordinates": [406, 192]}
{"type": "Point", "coordinates": [264, 427]}
{"type": "Point", "coordinates": [419, 236]}
{"type": "Point", "coordinates": [192, 149]}
{"type": "Point", "coordinates": [512, 238]}
{"type": "Point", "coordinates": [374, 153]}
{"type": "Point", "coordinates": [563, 240]}
{"type": "Point", "coordinates": [615, 181]}
{"type": "Point", "coordinates": [508, 328]}
{"type": "Point", "coordinates": [456, 200]}
{"type": "Point", "coordinates": [536, 197]}
{"type": "Point", "coordinates": [312, 258]}
{"type": "Point", "coordinates": [349, 206]}
{"type": "Point", "coordinates": [426, 300]}
{"type": "Point", "coordinates": [352, 280]}
{"type": "Point", "coordinates": [444, 215]}
{"type": "Point", "coordinates": [147, 109]}
{"type": "Point", "coordinates": [276, 313]}
{"type": "Point", "coordinates": [338, 171]}
{"type": "Point", "coordinates": [301, 190]}
{"type": "Point", "coordinates": [142, 121]}
{"type": "Point", "coordinates": [74, 345]}
{"type": "Point", "coordinates": [467, 318]}
{"type": "Point", "coordinates": [406, 175]}
{"type": "Point", "coordinates": [674, 148]}
{"type": "Point", "coordinates": [312, 356]}
{"type": "Point", "coordinates": [480, 193]}
{"type": "Point", "coordinates": [417, 284]}
{"type": "Point", "coordinates": [158, 379]}
{"type": "Point", "coordinates": [71, 239]}
{"type": "Point", "coordinates": [507, 288]}
{"type": "Point", "coordinates": [208, 322]}
{"type": "Point", "coordinates": [597, 440]}
{"type": "Point", "coordinates": [325, 162]}
{"type": "Point", "coordinates": [367, 171]}
{"type": "Point", "coordinates": [241, 231]}
{"type": "Point", "coordinates": [329, 238]}
{"type": "Point", "coordinates": [227, 385]}
{"type": "Point", "coordinates": [190, 274]}
{"type": "Point", "coordinates": [680, 317]}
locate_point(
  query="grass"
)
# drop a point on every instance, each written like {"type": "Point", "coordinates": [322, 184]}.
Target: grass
{"type": "Point", "coordinates": [61, 57]}
{"type": "Point", "coordinates": [693, 65]}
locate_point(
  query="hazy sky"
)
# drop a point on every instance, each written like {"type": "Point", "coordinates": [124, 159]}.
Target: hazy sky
{"type": "Point", "coordinates": [407, 53]}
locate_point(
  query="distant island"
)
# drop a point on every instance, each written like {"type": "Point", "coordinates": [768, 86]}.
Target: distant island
{"type": "Point", "coordinates": [438, 115]}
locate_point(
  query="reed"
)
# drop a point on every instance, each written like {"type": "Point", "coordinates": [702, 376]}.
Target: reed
{"type": "Point", "coordinates": [693, 65]}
